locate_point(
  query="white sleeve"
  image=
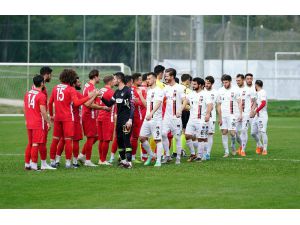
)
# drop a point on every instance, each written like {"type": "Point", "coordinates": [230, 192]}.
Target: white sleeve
{"type": "Point", "coordinates": [208, 98]}
{"type": "Point", "coordinates": [182, 92]}
{"type": "Point", "coordinates": [263, 95]}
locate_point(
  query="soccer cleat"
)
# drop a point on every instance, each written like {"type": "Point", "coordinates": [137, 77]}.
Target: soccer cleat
{"type": "Point", "coordinates": [174, 155]}
{"type": "Point", "coordinates": [105, 163]}
{"type": "Point", "coordinates": [226, 155]}
{"type": "Point", "coordinates": [137, 161]}
{"type": "Point", "coordinates": [243, 153]}
{"type": "Point", "coordinates": [258, 150]}
{"type": "Point", "coordinates": [207, 156]}
{"type": "Point", "coordinates": [76, 165]}
{"type": "Point", "coordinates": [177, 162]}
{"type": "Point", "coordinates": [183, 153]}
{"type": "Point", "coordinates": [167, 159]}
{"type": "Point", "coordinates": [89, 163]}
{"type": "Point", "coordinates": [111, 161]}
{"type": "Point", "coordinates": [148, 162]}
{"type": "Point", "coordinates": [157, 164]}
{"type": "Point", "coordinates": [57, 164]}
{"type": "Point", "coordinates": [198, 159]}
{"type": "Point", "coordinates": [47, 167]}
{"type": "Point", "coordinates": [192, 158]}
{"type": "Point", "coordinates": [53, 164]}
{"type": "Point", "coordinates": [265, 152]}
{"type": "Point", "coordinates": [27, 168]}
{"type": "Point", "coordinates": [81, 158]}
{"type": "Point", "coordinates": [239, 150]}
{"type": "Point", "coordinates": [233, 152]}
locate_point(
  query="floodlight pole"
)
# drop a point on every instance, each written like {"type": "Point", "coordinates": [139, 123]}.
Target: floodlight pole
{"type": "Point", "coordinates": [28, 50]}
{"type": "Point", "coordinates": [199, 25]}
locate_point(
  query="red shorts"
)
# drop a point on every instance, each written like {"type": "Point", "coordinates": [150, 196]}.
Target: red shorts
{"type": "Point", "coordinates": [36, 136]}
{"type": "Point", "coordinates": [89, 127]}
{"type": "Point", "coordinates": [77, 131]}
{"type": "Point", "coordinates": [105, 130]}
{"type": "Point", "coordinates": [63, 129]}
{"type": "Point", "coordinates": [136, 127]}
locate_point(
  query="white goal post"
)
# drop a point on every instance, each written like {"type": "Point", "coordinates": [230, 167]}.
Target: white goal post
{"type": "Point", "coordinates": [277, 76]}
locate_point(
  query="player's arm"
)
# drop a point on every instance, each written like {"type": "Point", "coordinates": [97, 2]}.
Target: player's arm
{"type": "Point", "coordinates": [240, 104]}
{"type": "Point", "coordinates": [183, 105]}
{"type": "Point", "coordinates": [129, 122]}
{"type": "Point", "coordinates": [45, 116]}
{"type": "Point", "coordinates": [142, 100]}
{"type": "Point", "coordinates": [50, 105]}
{"type": "Point", "coordinates": [110, 102]}
{"type": "Point", "coordinates": [78, 102]}
{"type": "Point", "coordinates": [219, 112]}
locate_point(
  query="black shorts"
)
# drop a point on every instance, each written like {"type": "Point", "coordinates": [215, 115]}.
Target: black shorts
{"type": "Point", "coordinates": [185, 118]}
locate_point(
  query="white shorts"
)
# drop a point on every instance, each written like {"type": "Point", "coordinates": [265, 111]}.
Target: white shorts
{"type": "Point", "coordinates": [211, 127]}
{"type": "Point", "coordinates": [259, 124]}
{"type": "Point", "coordinates": [244, 124]}
{"type": "Point", "coordinates": [229, 122]}
{"type": "Point", "coordinates": [172, 124]}
{"type": "Point", "coordinates": [152, 127]}
{"type": "Point", "coordinates": [197, 128]}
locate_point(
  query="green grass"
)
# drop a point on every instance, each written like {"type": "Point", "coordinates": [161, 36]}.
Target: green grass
{"type": "Point", "coordinates": [220, 183]}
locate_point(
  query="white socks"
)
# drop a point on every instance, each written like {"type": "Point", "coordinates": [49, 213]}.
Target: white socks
{"type": "Point", "coordinates": [244, 138]}
{"type": "Point", "coordinates": [75, 160]}
{"type": "Point", "coordinates": [68, 162]}
{"type": "Point", "coordinates": [265, 139]}
{"type": "Point", "coordinates": [233, 142]}
{"type": "Point", "coordinates": [209, 143]}
{"type": "Point", "coordinates": [200, 149]}
{"type": "Point", "coordinates": [178, 146]}
{"type": "Point", "coordinates": [44, 163]}
{"type": "Point", "coordinates": [165, 143]}
{"type": "Point", "coordinates": [225, 143]}
{"type": "Point", "coordinates": [146, 146]}
{"type": "Point", "coordinates": [57, 158]}
{"type": "Point", "coordinates": [159, 151]}
{"type": "Point", "coordinates": [190, 145]}
{"type": "Point", "coordinates": [112, 156]}
{"type": "Point", "coordinates": [257, 140]}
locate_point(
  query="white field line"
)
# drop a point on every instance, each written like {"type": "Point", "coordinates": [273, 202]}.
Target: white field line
{"type": "Point", "coordinates": [288, 160]}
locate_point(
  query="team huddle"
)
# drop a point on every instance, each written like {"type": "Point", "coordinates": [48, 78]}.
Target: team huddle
{"type": "Point", "coordinates": [142, 110]}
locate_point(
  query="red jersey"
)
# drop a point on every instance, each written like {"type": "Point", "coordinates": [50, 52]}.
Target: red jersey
{"type": "Point", "coordinates": [64, 98]}
{"type": "Point", "coordinates": [77, 109]}
{"type": "Point", "coordinates": [144, 89]}
{"type": "Point", "coordinates": [138, 105]}
{"type": "Point", "coordinates": [33, 99]}
{"type": "Point", "coordinates": [107, 95]}
{"type": "Point", "coordinates": [86, 111]}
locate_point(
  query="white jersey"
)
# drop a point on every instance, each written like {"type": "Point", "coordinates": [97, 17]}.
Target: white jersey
{"type": "Point", "coordinates": [246, 94]}
{"type": "Point", "coordinates": [153, 96]}
{"type": "Point", "coordinates": [229, 101]}
{"type": "Point", "coordinates": [213, 94]}
{"type": "Point", "coordinates": [174, 95]}
{"type": "Point", "coordinates": [262, 96]}
{"type": "Point", "coordinates": [198, 103]}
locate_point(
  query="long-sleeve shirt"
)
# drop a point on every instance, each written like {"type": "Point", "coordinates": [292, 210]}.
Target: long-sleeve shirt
{"type": "Point", "coordinates": [125, 105]}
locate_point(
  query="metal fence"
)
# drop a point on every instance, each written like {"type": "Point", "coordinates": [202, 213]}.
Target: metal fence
{"type": "Point", "coordinates": [200, 45]}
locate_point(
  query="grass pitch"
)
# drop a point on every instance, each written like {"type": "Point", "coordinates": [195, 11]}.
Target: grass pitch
{"type": "Point", "coordinates": [270, 181]}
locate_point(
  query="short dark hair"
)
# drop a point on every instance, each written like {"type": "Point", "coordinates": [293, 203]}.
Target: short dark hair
{"type": "Point", "coordinates": [210, 79]}
{"type": "Point", "coordinates": [107, 79]}
{"type": "Point", "coordinates": [159, 69]}
{"type": "Point", "coordinates": [128, 78]}
{"type": "Point", "coordinates": [241, 76]}
{"type": "Point", "coordinates": [259, 83]}
{"type": "Point", "coordinates": [94, 73]}
{"type": "Point", "coordinates": [68, 76]}
{"type": "Point", "coordinates": [120, 76]}
{"type": "Point", "coordinates": [171, 71]}
{"type": "Point", "coordinates": [38, 80]}
{"type": "Point", "coordinates": [136, 76]}
{"type": "Point", "coordinates": [45, 70]}
{"type": "Point", "coordinates": [226, 77]}
{"type": "Point", "coordinates": [144, 76]}
{"type": "Point", "coordinates": [152, 74]}
{"type": "Point", "coordinates": [185, 77]}
{"type": "Point", "coordinates": [249, 74]}
{"type": "Point", "coordinates": [74, 82]}
{"type": "Point", "coordinates": [176, 80]}
{"type": "Point", "coordinates": [199, 81]}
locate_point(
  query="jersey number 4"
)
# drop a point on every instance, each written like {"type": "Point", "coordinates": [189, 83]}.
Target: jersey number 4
{"type": "Point", "coordinates": [60, 94]}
